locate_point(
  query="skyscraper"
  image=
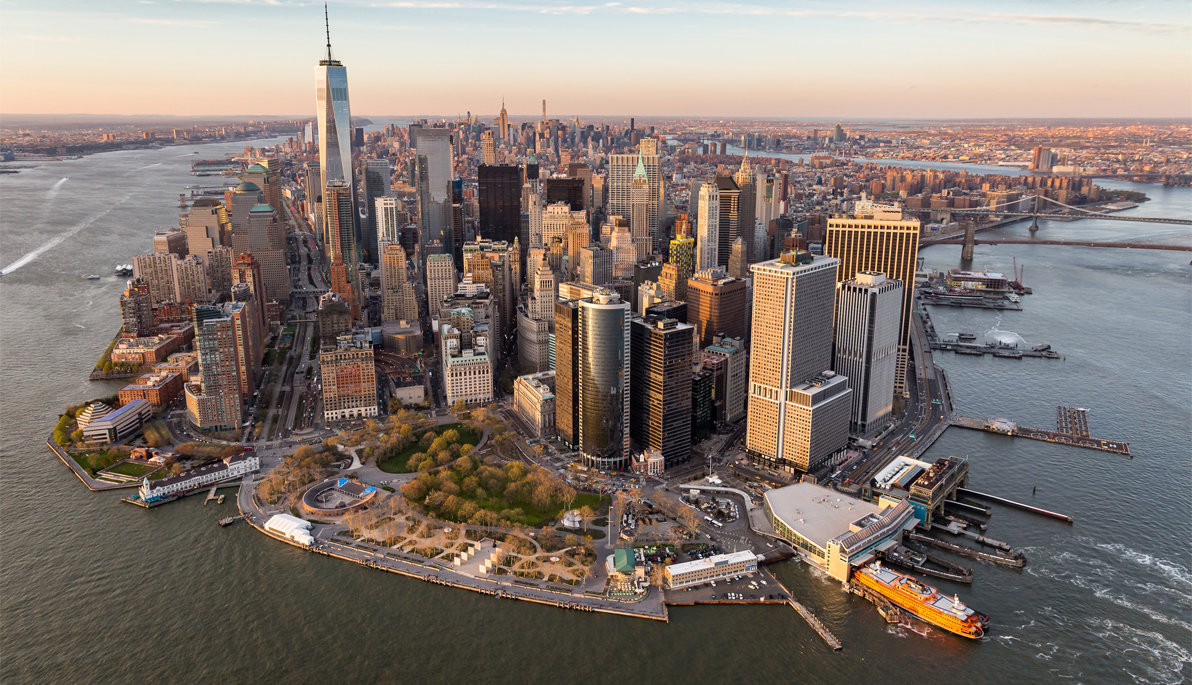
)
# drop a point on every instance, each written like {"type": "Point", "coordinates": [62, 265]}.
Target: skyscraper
{"type": "Point", "coordinates": [621, 172]}
{"type": "Point", "coordinates": [716, 304]}
{"type": "Point", "coordinates": [489, 149]}
{"type": "Point", "coordinates": [397, 293]}
{"type": "Point", "coordinates": [376, 185]}
{"type": "Point", "coordinates": [157, 270]}
{"type": "Point", "coordinates": [736, 375]}
{"type": "Point", "coordinates": [746, 217]}
{"type": "Point", "coordinates": [341, 242]}
{"type": "Point", "coordinates": [349, 378]}
{"type": "Point", "coordinates": [216, 402]}
{"type": "Point", "coordinates": [708, 231]}
{"type": "Point", "coordinates": [500, 201]}
{"type": "Point", "coordinates": [247, 270]}
{"type": "Point", "coordinates": [868, 310]}
{"type": "Point", "coordinates": [440, 280]}
{"type": "Point", "coordinates": [660, 390]}
{"type": "Point", "coordinates": [729, 221]}
{"type": "Point", "coordinates": [390, 214]}
{"type": "Point", "coordinates": [798, 411]}
{"type": "Point", "coordinates": [567, 372]}
{"type": "Point", "coordinates": [335, 119]}
{"type": "Point", "coordinates": [435, 171]}
{"type": "Point", "coordinates": [602, 376]}
{"type": "Point", "coordinates": [876, 238]}
{"type": "Point", "coordinates": [595, 265]}
{"type": "Point", "coordinates": [682, 255]}
{"type": "Point", "coordinates": [642, 225]}
{"type": "Point", "coordinates": [535, 318]}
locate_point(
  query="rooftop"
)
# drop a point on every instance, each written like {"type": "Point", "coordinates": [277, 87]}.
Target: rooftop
{"type": "Point", "coordinates": [815, 512]}
{"type": "Point", "coordinates": [711, 562]}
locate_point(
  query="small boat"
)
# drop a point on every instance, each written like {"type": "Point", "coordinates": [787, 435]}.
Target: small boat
{"type": "Point", "coordinates": [93, 277]}
{"type": "Point", "coordinates": [966, 336]}
{"type": "Point", "coordinates": [227, 522]}
{"type": "Point", "coordinates": [1013, 298]}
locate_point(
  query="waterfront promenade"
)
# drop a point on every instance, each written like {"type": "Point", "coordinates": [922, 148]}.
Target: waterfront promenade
{"type": "Point", "coordinates": [92, 484]}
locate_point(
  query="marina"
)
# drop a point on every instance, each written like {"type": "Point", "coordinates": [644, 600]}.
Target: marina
{"type": "Point", "coordinates": [1018, 560]}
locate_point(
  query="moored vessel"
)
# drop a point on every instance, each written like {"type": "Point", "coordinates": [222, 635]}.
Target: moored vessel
{"type": "Point", "coordinates": [923, 601]}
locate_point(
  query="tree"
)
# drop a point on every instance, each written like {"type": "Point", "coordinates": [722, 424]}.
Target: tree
{"type": "Point", "coordinates": [567, 494]}
{"type": "Point", "coordinates": [658, 575]}
{"type": "Point", "coordinates": [176, 470]}
{"type": "Point", "coordinates": [459, 406]}
{"type": "Point", "coordinates": [586, 514]}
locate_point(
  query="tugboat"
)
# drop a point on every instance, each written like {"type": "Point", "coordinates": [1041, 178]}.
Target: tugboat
{"type": "Point", "coordinates": [93, 277]}
{"type": "Point", "coordinates": [227, 522]}
{"type": "Point", "coordinates": [923, 601]}
{"type": "Point", "coordinates": [966, 336]}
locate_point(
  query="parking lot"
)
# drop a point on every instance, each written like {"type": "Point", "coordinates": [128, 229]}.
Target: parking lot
{"type": "Point", "coordinates": [754, 588]}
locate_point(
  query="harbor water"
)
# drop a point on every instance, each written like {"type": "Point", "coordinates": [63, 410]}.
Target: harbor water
{"type": "Point", "coordinates": [93, 590]}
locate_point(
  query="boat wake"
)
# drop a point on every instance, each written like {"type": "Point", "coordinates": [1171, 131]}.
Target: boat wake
{"type": "Point", "coordinates": [53, 191]}
{"type": "Point", "coordinates": [144, 167]}
{"type": "Point", "coordinates": [1003, 336]}
{"type": "Point", "coordinates": [57, 240]}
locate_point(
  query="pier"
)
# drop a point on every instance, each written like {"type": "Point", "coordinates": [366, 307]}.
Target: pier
{"type": "Point", "coordinates": [997, 350]}
{"type": "Point", "coordinates": [1016, 505]}
{"type": "Point", "coordinates": [1012, 429]}
{"type": "Point", "coordinates": [1017, 560]}
{"type": "Point", "coordinates": [815, 623]}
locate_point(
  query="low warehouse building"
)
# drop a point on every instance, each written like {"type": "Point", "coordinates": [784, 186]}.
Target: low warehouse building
{"type": "Point", "coordinates": [716, 567]}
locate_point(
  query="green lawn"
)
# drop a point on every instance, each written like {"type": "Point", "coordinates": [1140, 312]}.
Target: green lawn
{"type": "Point", "coordinates": [95, 461]}
{"type": "Point", "coordinates": [399, 463]}
{"type": "Point", "coordinates": [135, 470]}
{"type": "Point", "coordinates": [595, 533]}
{"type": "Point", "coordinates": [537, 517]}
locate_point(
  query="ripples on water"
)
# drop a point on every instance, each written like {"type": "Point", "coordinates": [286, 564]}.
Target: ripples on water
{"type": "Point", "coordinates": [97, 591]}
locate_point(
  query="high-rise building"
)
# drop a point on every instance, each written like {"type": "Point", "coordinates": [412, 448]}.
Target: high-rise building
{"type": "Point", "coordinates": [219, 261]}
{"type": "Point", "coordinates": [500, 189]}
{"type": "Point", "coordinates": [716, 304]}
{"type": "Point", "coordinates": [136, 309]}
{"type": "Point", "coordinates": [738, 259]}
{"type": "Point", "coordinates": [398, 302]}
{"type": "Point", "coordinates": [190, 280]}
{"type": "Point", "coordinates": [465, 327]}
{"type": "Point", "coordinates": [216, 402]}
{"type": "Point", "coordinates": [736, 375]}
{"type": "Point", "coordinates": [376, 185]}
{"type": "Point", "coordinates": [729, 219]}
{"type": "Point", "coordinates": [157, 270]}
{"type": "Point", "coordinates": [868, 310]}
{"type": "Point", "coordinates": [246, 269]}
{"type": "Point", "coordinates": [489, 149]}
{"type": "Point", "coordinates": [708, 230]}
{"type": "Point", "coordinates": [592, 339]}
{"type": "Point", "coordinates": [349, 377]}
{"type": "Point", "coordinates": [570, 191]}
{"type": "Point", "coordinates": [624, 252]}
{"type": "Point", "coordinates": [170, 242]}
{"type": "Point", "coordinates": [203, 226]}
{"type": "Point", "coordinates": [434, 172]}
{"type": "Point", "coordinates": [503, 123]}
{"type": "Point", "coordinates": [341, 239]}
{"type": "Point", "coordinates": [535, 321]}
{"type": "Point", "coordinates": [669, 281]}
{"type": "Point", "coordinates": [877, 238]}
{"type": "Point", "coordinates": [595, 265]}
{"type": "Point", "coordinates": [335, 121]}
{"type": "Point", "coordinates": [440, 280]}
{"type": "Point", "coordinates": [314, 197]}
{"type": "Point", "coordinates": [250, 340]}
{"type": "Point", "coordinates": [391, 216]}
{"type": "Point", "coordinates": [267, 179]}
{"type": "Point", "coordinates": [622, 169]}
{"type": "Point", "coordinates": [746, 219]}
{"type": "Point", "coordinates": [798, 412]}
{"type": "Point", "coordinates": [660, 389]}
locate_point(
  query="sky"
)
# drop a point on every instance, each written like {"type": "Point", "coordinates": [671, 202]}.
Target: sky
{"type": "Point", "coordinates": [815, 58]}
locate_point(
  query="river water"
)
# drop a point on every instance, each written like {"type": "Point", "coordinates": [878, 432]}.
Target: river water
{"type": "Point", "coordinates": [94, 590]}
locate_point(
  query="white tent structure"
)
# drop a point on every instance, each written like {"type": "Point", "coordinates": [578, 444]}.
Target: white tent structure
{"type": "Point", "coordinates": [291, 527]}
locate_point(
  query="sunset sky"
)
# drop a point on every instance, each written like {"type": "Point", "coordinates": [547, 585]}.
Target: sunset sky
{"type": "Point", "coordinates": [1019, 58]}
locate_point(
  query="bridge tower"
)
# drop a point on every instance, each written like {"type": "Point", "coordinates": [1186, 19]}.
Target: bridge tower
{"type": "Point", "coordinates": [970, 239]}
{"type": "Point", "coordinates": [1035, 224]}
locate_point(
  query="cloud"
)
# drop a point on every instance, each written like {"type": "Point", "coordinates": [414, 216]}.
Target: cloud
{"type": "Point", "coordinates": [194, 24]}
{"type": "Point", "coordinates": [52, 39]}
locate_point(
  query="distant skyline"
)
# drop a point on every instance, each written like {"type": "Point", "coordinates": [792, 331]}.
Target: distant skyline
{"type": "Point", "coordinates": [822, 60]}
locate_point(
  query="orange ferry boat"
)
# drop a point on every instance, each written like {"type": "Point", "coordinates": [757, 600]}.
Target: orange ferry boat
{"type": "Point", "coordinates": [923, 601]}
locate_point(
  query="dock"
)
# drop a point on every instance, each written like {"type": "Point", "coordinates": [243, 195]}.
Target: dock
{"type": "Point", "coordinates": [1012, 429]}
{"type": "Point", "coordinates": [1017, 560]}
{"type": "Point", "coordinates": [1000, 351]}
{"type": "Point", "coordinates": [210, 496]}
{"type": "Point", "coordinates": [815, 623]}
{"type": "Point", "coordinates": [1016, 505]}
{"type": "Point", "coordinates": [891, 613]}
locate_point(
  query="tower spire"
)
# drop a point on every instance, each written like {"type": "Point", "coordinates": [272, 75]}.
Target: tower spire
{"type": "Point", "coordinates": [327, 22]}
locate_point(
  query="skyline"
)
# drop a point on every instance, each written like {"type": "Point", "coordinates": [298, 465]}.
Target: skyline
{"type": "Point", "coordinates": [1029, 60]}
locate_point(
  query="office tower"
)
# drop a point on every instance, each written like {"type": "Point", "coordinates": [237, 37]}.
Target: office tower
{"type": "Point", "coordinates": [440, 280]}
{"type": "Point", "coordinates": [669, 281]}
{"type": "Point", "coordinates": [1042, 159]}
{"type": "Point", "coordinates": [398, 302]}
{"type": "Point", "coordinates": [566, 190]}
{"type": "Point", "coordinates": [877, 238]}
{"type": "Point", "coordinates": [504, 123]}
{"type": "Point", "coordinates": [660, 387]}
{"type": "Point", "coordinates": [500, 201]}
{"type": "Point", "coordinates": [556, 254]}
{"type": "Point", "coordinates": [682, 225]}
{"type": "Point", "coordinates": [639, 213]}
{"type": "Point", "coordinates": [622, 169]}
{"type": "Point", "coordinates": [746, 219]}
{"type": "Point", "coordinates": [703, 410]}
{"type": "Point", "coordinates": [391, 216]}
{"type": "Point", "coordinates": [716, 304]}
{"type": "Point", "coordinates": [157, 270]}
{"type": "Point", "coordinates": [708, 231]}
{"type": "Point", "coordinates": [219, 261]}
{"type": "Point", "coordinates": [595, 265]}
{"type": "Point", "coordinates": [642, 272]}
{"type": "Point", "coordinates": [535, 318]}
{"type": "Point", "coordinates": [216, 402]}
{"type": "Point", "coordinates": [694, 188]}
{"type": "Point", "coordinates": [592, 371]}
{"type": "Point", "coordinates": [489, 155]}
{"type": "Point", "coordinates": [263, 237]}
{"type": "Point", "coordinates": [313, 188]}
{"type": "Point", "coordinates": [535, 227]}
{"type": "Point", "coordinates": [170, 242]}
{"type": "Point", "coordinates": [246, 269]}
{"type": "Point", "coordinates": [736, 375]}
{"type": "Point", "coordinates": [729, 222]}
{"type": "Point", "coordinates": [349, 377]}
{"type": "Point", "coordinates": [578, 236]}
{"type": "Point", "coordinates": [581, 171]}
{"type": "Point", "coordinates": [571, 226]}
{"type": "Point", "coordinates": [838, 134]}
{"type": "Point", "coordinates": [467, 324]}
{"type": "Point", "coordinates": [738, 260]}
{"type": "Point", "coordinates": [267, 180]}
{"type": "Point", "coordinates": [335, 121]}
{"type": "Point", "coordinates": [868, 309]}
{"type": "Point", "coordinates": [334, 317]}
{"type": "Point", "coordinates": [376, 185]}
{"type": "Point", "coordinates": [488, 262]}
{"type": "Point", "coordinates": [136, 309]}
{"type": "Point", "coordinates": [190, 280]}
{"type": "Point", "coordinates": [682, 256]}
{"type": "Point", "coordinates": [341, 238]}
{"type": "Point", "coordinates": [203, 226]}
{"type": "Point", "coordinates": [435, 171]}
{"type": "Point", "coordinates": [798, 411]}
{"type": "Point", "coordinates": [624, 252]}
{"type": "Point", "coordinates": [599, 188]}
